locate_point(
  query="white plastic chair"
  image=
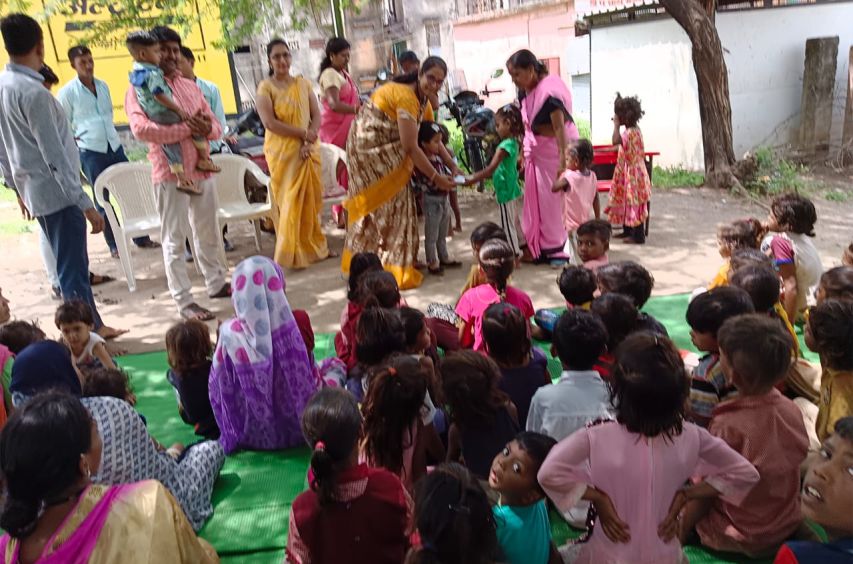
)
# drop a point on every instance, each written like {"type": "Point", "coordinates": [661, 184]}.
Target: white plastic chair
{"type": "Point", "coordinates": [130, 188]}
{"type": "Point", "coordinates": [329, 157]}
{"type": "Point", "coordinates": [233, 204]}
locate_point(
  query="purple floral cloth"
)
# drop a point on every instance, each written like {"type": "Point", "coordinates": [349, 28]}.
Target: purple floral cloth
{"type": "Point", "coordinates": [262, 374]}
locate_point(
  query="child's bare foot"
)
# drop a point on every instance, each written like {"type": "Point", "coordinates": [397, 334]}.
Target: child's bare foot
{"type": "Point", "coordinates": [207, 165]}
{"type": "Point", "coordinates": [187, 186]}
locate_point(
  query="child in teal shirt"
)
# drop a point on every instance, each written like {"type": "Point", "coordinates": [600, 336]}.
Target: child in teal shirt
{"type": "Point", "coordinates": [503, 170]}
{"type": "Point", "coordinates": [521, 516]}
{"type": "Point", "coordinates": [155, 99]}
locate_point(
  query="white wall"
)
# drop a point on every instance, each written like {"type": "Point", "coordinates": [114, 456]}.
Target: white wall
{"type": "Point", "coordinates": [765, 52]}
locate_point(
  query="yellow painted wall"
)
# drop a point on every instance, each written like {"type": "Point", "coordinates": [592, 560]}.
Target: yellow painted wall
{"type": "Point", "coordinates": [113, 63]}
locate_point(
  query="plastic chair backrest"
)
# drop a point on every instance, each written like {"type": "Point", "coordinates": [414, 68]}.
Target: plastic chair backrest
{"type": "Point", "coordinates": [230, 182]}
{"type": "Point", "coordinates": [329, 157]}
{"type": "Point", "coordinates": [129, 185]}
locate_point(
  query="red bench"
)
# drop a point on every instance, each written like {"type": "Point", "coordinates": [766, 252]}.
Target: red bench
{"type": "Point", "coordinates": [604, 162]}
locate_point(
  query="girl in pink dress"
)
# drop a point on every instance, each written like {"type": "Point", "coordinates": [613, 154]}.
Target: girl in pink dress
{"type": "Point", "coordinates": [633, 470]}
{"type": "Point", "coordinates": [580, 194]}
{"type": "Point", "coordinates": [631, 189]}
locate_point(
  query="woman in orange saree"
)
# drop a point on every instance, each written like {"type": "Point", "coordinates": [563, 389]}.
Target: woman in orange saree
{"type": "Point", "coordinates": [382, 151]}
{"type": "Point", "coordinates": [291, 115]}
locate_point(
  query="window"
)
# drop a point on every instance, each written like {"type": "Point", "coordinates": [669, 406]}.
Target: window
{"type": "Point", "coordinates": [390, 15]}
{"type": "Point", "coordinates": [433, 33]}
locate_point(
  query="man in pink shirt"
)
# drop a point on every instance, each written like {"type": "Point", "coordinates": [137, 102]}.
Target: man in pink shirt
{"type": "Point", "coordinates": [179, 210]}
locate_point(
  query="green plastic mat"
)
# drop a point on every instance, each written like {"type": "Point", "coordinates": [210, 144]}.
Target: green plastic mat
{"type": "Point", "coordinates": [254, 492]}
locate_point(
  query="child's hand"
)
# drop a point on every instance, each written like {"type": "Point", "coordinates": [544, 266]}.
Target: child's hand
{"type": "Point", "coordinates": [615, 528]}
{"type": "Point", "coordinates": [469, 180]}
{"type": "Point", "coordinates": [669, 527]}
{"type": "Point", "coordinates": [184, 115]}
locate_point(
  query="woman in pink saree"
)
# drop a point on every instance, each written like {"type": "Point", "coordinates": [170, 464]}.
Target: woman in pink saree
{"type": "Point", "coordinates": [340, 105]}
{"type": "Point", "coordinates": [53, 514]}
{"type": "Point", "coordinates": [546, 109]}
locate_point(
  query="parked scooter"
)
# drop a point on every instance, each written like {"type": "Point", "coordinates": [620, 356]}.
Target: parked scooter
{"type": "Point", "coordinates": [246, 138]}
{"type": "Point", "coordinates": [477, 122]}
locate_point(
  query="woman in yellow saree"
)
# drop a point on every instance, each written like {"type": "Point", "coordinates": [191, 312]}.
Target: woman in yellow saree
{"type": "Point", "coordinates": [382, 150]}
{"type": "Point", "coordinates": [54, 515]}
{"type": "Point", "coordinates": [291, 116]}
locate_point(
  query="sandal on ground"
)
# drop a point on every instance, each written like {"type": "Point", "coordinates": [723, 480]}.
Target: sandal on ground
{"type": "Point", "coordinates": [451, 264]}
{"type": "Point", "coordinates": [224, 292]}
{"type": "Point", "coordinates": [114, 254]}
{"type": "Point", "coordinates": [438, 271]}
{"type": "Point", "coordinates": [420, 265]}
{"type": "Point", "coordinates": [56, 293]}
{"type": "Point", "coordinates": [195, 311]}
{"type": "Point", "coordinates": [96, 279]}
{"type": "Point", "coordinates": [148, 244]}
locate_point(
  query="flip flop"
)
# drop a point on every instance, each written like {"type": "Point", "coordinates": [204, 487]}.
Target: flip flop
{"type": "Point", "coordinates": [195, 311]}
{"type": "Point", "coordinates": [97, 279]}
{"type": "Point", "coordinates": [451, 264]}
{"type": "Point", "coordinates": [224, 292]}
{"type": "Point", "coordinates": [149, 244]}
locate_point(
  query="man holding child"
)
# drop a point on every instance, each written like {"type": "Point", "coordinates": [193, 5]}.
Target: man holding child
{"type": "Point", "coordinates": [179, 210]}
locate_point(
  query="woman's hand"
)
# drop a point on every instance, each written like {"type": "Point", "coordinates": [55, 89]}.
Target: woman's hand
{"type": "Point", "coordinates": [613, 526]}
{"type": "Point", "coordinates": [445, 183]}
{"type": "Point", "coordinates": [310, 136]}
{"type": "Point", "coordinates": [304, 152]}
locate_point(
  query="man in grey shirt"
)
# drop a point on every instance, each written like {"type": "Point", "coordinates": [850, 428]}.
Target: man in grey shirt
{"type": "Point", "coordinates": [39, 160]}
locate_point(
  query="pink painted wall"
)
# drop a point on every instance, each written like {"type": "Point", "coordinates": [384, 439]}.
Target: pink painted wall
{"type": "Point", "coordinates": [484, 45]}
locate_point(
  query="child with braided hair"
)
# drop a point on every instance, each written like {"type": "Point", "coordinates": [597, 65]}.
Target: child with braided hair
{"type": "Point", "coordinates": [497, 261]}
{"type": "Point", "coordinates": [366, 509]}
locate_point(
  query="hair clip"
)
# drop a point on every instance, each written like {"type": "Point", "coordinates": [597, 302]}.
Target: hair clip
{"type": "Point", "coordinates": [464, 509]}
{"type": "Point", "coordinates": [320, 445]}
{"type": "Point", "coordinates": [392, 371]}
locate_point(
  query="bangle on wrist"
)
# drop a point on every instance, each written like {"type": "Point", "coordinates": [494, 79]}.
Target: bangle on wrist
{"type": "Point", "coordinates": [434, 176]}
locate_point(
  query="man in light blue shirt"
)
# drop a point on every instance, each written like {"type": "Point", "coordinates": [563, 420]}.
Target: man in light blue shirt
{"type": "Point", "coordinates": [39, 160]}
{"type": "Point", "coordinates": [87, 103]}
{"type": "Point", "coordinates": [186, 64]}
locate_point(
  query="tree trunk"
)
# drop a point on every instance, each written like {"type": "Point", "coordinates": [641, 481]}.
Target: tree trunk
{"type": "Point", "coordinates": [715, 110]}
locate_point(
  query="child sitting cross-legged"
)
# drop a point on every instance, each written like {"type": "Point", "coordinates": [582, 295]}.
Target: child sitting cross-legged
{"type": "Point", "coordinates": [577, 285]}
{"type": "Point", "coordinates": [705, 315]}
{"type": "Point", "coordinates": [791, 225]}
{"type": "Point", "coordinates": [826, 499]}
{"type": "Point", "coordinates": [524, 368]}
{"type": "Point", "coordinates": [88, 350]}
{"type": "Point", "coordinates": [620, 318]}
{"type": "Point", "coordinates": [521, 515]}
{"type": "Point", "coordinates": [633, 280]}
{"type": "Point", "coordinates": [397, 419]}
{"type": "Point", "coordinates": [189, 350]}
{"type": "Point", "coordinates": [829, 332]}
{"type": "Point", "coordinates": [767, 429]}
{"type": "Point", "coordinates": [580, 395]}
{"type": "Point", "coordinates": [454, 520]}
{"type": "Point", "coordinates": [366, 509]}
{"type": "Point", "coordinates": [634, 469]}
{"type": "Point", "coordinates": [836, 284]}
{"type": "Point", "coordinates": [737, 235]}
{"type": "Point", "coordinates": [593, 241]}
{"type": "Point", "coordinates": [483, 418]}
{"type": "Point", "coordinates": [497, 261]}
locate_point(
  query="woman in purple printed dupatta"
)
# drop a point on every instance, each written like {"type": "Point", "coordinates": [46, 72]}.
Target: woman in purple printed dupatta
{"type": "Point", "coordinates": [548, 128]}
{"type": "Point", "coordinates": [262, 375]}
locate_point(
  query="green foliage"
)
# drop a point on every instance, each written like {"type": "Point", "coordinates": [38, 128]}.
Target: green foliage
{"type": "Point", "coordinates": [136, 153]}
{"type": "Point", "coordinates": [775, 174]}
{"type": "Point", "coordinates": [242, 20]}
{"type": "Point", "coordinates": [837, 195]}
{"type": "Point", "coordinates": [676, 177]}
{"type": "Point", "coordinates": [584, 128]}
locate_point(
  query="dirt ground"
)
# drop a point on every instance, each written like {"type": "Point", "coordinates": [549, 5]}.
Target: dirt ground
{"type": "Point", "coordinates": [681, 253]}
